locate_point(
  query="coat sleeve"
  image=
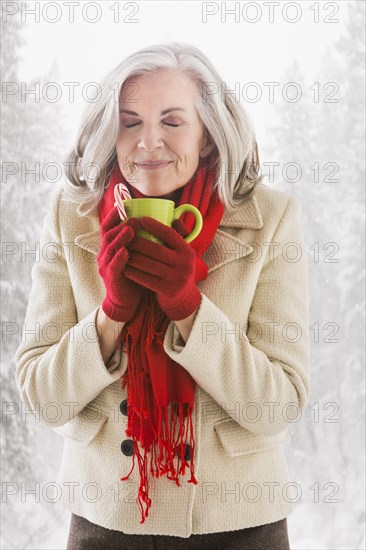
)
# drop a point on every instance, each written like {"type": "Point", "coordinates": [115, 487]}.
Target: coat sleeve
{"type": "Point", "coordinates": [260, 375]}
{"type": "Point", "coordinates": [59, 366]}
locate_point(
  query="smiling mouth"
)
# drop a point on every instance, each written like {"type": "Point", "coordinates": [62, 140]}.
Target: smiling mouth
{"type": "Point", "coordinates": [153, 164]}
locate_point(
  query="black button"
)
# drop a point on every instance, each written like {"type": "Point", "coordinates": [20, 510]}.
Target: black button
{"type": "Point", "coordinates": [184, 408]}
{"type": "Point", "coordinates": [187, 453]}
{"type": "Point", "coordinates": [123, 407]}
{"type": "Point", "coordinates": [127, 447]}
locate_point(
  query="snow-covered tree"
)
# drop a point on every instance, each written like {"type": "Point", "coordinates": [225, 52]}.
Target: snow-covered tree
{"type": "Point", "coordinates": [325, 135]}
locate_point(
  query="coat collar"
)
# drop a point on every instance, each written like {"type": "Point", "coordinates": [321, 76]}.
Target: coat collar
{"type": "Point", "coordinates": [224, 247]}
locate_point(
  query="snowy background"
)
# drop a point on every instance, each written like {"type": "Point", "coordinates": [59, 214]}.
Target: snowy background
{"type": "Point", "coordinates": [318, 146]}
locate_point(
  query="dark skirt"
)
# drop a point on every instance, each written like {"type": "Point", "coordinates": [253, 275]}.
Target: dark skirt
{"type": "Point", "coordinates": [84, 535]}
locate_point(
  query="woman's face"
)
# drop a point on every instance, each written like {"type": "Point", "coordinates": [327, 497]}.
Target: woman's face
{"type": "Point", "coordinates": [159, 122]}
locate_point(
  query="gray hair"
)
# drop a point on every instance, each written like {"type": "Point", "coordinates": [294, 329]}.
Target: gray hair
{"type": "Point", "coordinates": [228, 128]}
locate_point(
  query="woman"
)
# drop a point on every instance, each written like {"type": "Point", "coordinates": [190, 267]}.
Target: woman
{"type": "Point", "coordinates": [173, 367]}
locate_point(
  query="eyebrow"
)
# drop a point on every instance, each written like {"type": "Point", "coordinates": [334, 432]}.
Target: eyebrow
{"type": "Point", "coordinates": [162, 112]}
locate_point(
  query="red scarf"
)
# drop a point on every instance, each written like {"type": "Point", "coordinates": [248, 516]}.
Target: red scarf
{"type": "Point", "coordinates": [153, 379]}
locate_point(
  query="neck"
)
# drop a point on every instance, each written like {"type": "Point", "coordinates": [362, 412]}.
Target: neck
{"type": "Point", "coordinates": [173, 196]}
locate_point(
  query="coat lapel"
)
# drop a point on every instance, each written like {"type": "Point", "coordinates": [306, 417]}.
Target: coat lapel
{"type": "Point", "coordinates": [224, 247]}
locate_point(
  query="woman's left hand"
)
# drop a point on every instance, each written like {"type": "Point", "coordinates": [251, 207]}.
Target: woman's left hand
{"type": "Point", "coordinates": [167, 269]}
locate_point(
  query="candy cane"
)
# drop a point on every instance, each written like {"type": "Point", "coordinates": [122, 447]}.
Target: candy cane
{"type": "Point", "coordinates": [121, 193]}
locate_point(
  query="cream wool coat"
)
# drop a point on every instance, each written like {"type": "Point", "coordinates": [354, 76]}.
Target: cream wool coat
{"type": "Point", "coordinates": [248, 352]}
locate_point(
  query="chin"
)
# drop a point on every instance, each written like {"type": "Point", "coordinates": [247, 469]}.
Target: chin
{"type": "Point", "coordinates": [155, 190]}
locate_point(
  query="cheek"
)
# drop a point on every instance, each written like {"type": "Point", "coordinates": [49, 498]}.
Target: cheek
{"type": "Point", "coordinates": [123, 148]}
{"type": "Point", "coordinates": [119, 145]}
{"type": "Point", "coordinates": [186, 146]}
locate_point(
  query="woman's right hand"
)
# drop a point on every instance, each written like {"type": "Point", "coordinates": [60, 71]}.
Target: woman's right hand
{"type": "Point", "coordinates": [122, 294]}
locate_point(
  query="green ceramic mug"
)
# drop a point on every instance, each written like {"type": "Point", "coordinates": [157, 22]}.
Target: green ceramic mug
{"type": "Point", "coordinates": [165, 212]}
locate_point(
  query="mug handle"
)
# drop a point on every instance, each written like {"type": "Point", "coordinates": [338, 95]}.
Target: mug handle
{"type": "Point", "coordinates": [197, 214]}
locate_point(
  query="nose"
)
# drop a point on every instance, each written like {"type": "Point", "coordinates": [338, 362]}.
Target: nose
{"type": "Point", "coordinates": [150, 138]}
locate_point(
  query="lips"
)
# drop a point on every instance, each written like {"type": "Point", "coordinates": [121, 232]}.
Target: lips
{"type": "Point", "coordinates": [153, 163]}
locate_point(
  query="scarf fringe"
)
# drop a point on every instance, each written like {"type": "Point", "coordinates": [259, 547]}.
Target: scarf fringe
{"type": "Point", "coordinates": [163, 463]}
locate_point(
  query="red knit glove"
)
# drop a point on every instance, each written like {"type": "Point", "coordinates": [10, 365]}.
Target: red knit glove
{"type": "Point", "coordinates": [168, 269]}
{"type": "Point", "coordinates": [122, 295]}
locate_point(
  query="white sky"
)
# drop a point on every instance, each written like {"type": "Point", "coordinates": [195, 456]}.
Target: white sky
{"type": "Point", "coordinates": [241, 52]}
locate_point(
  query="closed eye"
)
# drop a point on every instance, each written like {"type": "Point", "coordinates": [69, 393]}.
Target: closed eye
{"type": "Point", "coordinates": [132, 125]}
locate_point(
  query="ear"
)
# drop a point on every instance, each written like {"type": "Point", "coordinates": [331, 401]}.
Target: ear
{"type": "Point", "coordinates": [206, 150]}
